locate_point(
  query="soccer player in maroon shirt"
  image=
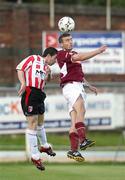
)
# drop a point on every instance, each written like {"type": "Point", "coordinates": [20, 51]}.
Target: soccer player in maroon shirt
{"type": "Point", "coordinates": [32, 73]}
{"type": "Point", "coordinates": [71, 81]}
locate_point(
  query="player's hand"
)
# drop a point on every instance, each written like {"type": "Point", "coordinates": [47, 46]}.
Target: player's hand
{"type": "Point", "coordinates": [22, 89]}
{"type": "Point", "coordinates": [102, 48]}
{"type": "Point", "coordinates": [48, 70]}
{"type": "Point", "coordinates": [93, 89]}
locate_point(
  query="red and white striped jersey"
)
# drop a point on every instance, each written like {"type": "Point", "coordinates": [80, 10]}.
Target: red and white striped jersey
{"type": "Point", "coordinates": [35, 71]}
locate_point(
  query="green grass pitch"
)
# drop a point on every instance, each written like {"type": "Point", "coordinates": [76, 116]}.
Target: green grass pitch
{"type": "Point", "coordinates": [74, 171]}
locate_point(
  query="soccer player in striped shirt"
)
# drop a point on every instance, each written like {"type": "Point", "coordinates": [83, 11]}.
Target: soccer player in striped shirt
{"type": "Point", "coordinates": [32, 73]}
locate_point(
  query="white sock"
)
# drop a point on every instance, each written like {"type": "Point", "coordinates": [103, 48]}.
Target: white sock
{"type": "Point", "coordinates": [41, 132]}
{"type": "Point", "coordinates": [33, 144]}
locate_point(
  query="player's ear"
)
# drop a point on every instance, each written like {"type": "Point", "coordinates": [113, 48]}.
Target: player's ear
{"type": "Point", "coordinates": [48, 58]}
{"type": "Point", "coordinates": [61, 45]}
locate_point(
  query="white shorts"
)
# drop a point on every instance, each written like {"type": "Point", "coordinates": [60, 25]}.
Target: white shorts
{"type": "Point", "coordinates": [71, 92]}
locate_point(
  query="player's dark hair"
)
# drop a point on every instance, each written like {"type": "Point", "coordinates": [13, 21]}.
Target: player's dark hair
{"type": "Point", "coordinates": [50, 50]}
{"type": "Point", "coordinates": [62, 36]}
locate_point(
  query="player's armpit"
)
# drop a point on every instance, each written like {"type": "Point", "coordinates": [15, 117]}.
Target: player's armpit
{"type": "Point", "coordinates": [77, 57]}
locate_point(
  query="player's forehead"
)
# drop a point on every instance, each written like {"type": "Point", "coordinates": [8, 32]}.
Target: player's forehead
{"type": "Point", "coordinates": [67, 38]}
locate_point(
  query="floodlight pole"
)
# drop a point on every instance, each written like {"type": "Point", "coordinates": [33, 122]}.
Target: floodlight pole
{"type": "Point", "coordinates": [52, 13]}
{"type": "Point", "coordinates": [108, 14]}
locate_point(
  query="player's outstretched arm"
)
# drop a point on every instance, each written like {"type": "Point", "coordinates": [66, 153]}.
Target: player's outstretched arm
{"type": "Point", "coordinates": [88, 55]}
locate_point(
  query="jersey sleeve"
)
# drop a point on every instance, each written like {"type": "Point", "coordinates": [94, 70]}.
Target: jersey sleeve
{"type": "Point", "coordinates": [68, 56]}
{"type": "Point", "coordinates": [64, 57]}
{"type": "Point", "coordinates": [25, 63]}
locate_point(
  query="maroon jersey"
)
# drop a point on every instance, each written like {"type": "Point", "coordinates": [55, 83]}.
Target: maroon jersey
{"type": "Point", "coordinates": [69, 71]}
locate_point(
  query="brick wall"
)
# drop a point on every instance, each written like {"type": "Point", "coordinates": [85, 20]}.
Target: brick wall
{"type": "Point", "coordinates": [21, 27]}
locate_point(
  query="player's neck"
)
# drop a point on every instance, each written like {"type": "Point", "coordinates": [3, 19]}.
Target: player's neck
{"type": "Point", "coordinates": [67, 49]}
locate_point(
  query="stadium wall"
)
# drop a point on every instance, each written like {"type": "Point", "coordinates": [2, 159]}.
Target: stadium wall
{"type": "Point", "coordinates": [21, 27]}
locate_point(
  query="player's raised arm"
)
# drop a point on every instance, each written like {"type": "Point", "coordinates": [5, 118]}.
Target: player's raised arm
{"type": "Point", "coordinates": [88, 55]}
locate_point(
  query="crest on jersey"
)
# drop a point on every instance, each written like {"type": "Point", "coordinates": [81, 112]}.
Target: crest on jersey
{"type": "Point", "coordinates": [30, 108]}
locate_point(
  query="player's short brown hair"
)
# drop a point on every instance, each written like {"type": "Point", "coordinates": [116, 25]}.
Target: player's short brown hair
{"type": "Point", "coordinates": [62, 36]}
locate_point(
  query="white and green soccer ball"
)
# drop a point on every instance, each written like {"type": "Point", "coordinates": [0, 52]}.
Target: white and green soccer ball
{"type": "Point", "coordinates": [66, 24]}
